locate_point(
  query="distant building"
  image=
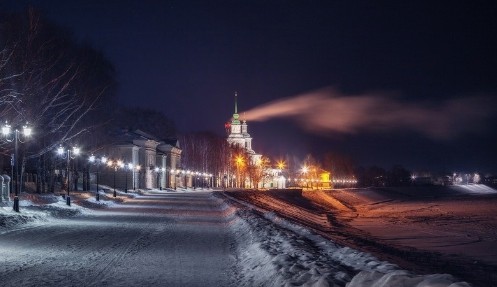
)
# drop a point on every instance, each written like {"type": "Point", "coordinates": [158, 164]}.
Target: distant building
{"type": "Point", "coordinates": [239, 136]}
{"type": "Point", "coordinates": [147, 161]}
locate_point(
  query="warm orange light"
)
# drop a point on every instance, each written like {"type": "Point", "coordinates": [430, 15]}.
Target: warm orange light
{"type": "Point", "coordinates": [239, 160]}
{"type": "Point", "coordinates": [281, 165]}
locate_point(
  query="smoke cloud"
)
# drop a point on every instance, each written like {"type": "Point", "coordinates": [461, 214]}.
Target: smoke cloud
{"type": "Point", "coordinates": [328, 111]}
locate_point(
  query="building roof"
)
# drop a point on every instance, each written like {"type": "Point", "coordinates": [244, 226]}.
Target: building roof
{"type": "Point", "coordinates": [127, 137]}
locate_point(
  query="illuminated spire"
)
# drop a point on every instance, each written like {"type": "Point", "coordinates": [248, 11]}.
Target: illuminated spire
{"type": "Point", "coordinates": [235, 115]}
{"type": "Point", "coordinates": [236, 107]}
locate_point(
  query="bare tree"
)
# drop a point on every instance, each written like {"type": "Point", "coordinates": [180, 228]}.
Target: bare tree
{"type": "Point", "coordinates": [257, 171]}
{"type": "Point", "coordinates": [52, 82]}
{"type": "Point", "coordinates": [207, 152]}
{"type": "Point", "coordinates": [57, 85]}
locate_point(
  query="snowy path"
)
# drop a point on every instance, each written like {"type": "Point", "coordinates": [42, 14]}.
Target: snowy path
{"type": "Point", "coordinates": [165, 239]}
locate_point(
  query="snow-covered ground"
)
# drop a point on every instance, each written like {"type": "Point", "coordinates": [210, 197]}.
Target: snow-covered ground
{"type": "Point", "coordinates": [185, 238]}
{"type": "Point", "coordinates": [426, 229]}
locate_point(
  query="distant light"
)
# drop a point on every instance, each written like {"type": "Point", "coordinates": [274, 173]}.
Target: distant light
{"type": "Point", "coordinates": [305, 169]}
{"type": "Point", "coordinates": [130, 165]}
{"type": "Point", "coordinates": [104, 159]}
{"type": "Point", "coordinates": [27, 131]}
{"type": "Point", "coordinates": [76, 150]}
{"type": "Point", "coordinates": [6, 129]}
{"type": "Point", "coordinates": [138, 167]}
{"type": "Point", "coordinates": [156, 169]}
{"type": "Point", "coordinates": [91, 158]}
{"type": "Point", "coordinates": [60, 150]}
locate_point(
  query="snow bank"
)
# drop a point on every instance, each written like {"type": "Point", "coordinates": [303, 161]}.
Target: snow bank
{"type": "Point", "coordinates": [277, 252]}
{"type": "Point", "coordinates": [402, 278]}
{"type": "Point", "coordinates": [37, 209]}
{"type": "Point", "coordinates": [474, 189]}
{"type": "Point", "coordinates": [10, 219]}
{"type": "Point", "coordinates": [272, 256]}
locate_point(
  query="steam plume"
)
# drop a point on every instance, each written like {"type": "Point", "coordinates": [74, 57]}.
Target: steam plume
{"type": "Point", "coordinates": [325, 111]}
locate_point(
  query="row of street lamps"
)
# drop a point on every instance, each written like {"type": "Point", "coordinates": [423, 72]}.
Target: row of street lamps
{"type": "Point", "coordinates": [195, 174]}
{"type": "Point", "coordinates": [114, 164]}
{"type": "Point", "coordinates": [20, 135]}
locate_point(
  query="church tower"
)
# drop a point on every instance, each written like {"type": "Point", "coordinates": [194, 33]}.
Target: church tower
{"type": "Point", "coordinates": [239, 131]}
{"type": "Point", "coordinates": [235, 122]}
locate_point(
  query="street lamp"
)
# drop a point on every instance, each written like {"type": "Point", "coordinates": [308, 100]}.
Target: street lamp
{"type": "Point", "coordinates": [305, 170]}
{"type": "Point", "coordinates": [239, 162]}
{"type": "Point", "coordinates": [137, 169]}
{"type": "Point", "coordinates": [159, 170]}
{"type": "Point", "coordinates": [9, 137]}
{"type": "Point", "coordinates": [115, 165]}
{"type": "Point", "coordinates": [102, 160]}
{"type": "Point", "coordinates": [195, 179]}
{"type": "Point", "coordinates": [68, 154]}
{"type": "Point", "coordinates": [130, 167]}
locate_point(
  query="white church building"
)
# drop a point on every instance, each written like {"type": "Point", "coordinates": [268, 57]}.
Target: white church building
{"type": "Point", "coordinates": [239, 136]}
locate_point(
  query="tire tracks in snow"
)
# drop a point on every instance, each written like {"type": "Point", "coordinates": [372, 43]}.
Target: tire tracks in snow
{"type": "Point", "coordinates": [126, 249]}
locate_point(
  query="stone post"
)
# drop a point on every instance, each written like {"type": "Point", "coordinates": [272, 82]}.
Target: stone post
{"type": "Point", "coordinates": [5, 184]}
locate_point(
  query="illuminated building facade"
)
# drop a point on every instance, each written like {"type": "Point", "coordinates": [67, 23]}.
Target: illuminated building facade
{"type": "Point", "coordinates": [146, 151]}
{"type": "Point", "coordinates": [239, 136]}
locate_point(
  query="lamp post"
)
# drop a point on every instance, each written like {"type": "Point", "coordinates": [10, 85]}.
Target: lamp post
{"type": "Point", "coordinates": [159, 170]}
{"type": "Point", "coordinates": [195, 178]}
{"type": "Point", "coordinates": [115, 165]}
{"type": "Point", "coordinates": [130, 167]}
{"type": "Point", "coordinates": [137, 169]}
{"type": "Point", "coordinates": [102, 160]}
{"type": "Point", "coordinates": [305, 170]}
{"type": "Point", "coordinates": [239, 162]}
{"type": "Point", "coordinates": [92, 159]}
{"type": "Point", "coordinates": [13, 136]}
{"type": "Point", "coordinates": [68, 154]}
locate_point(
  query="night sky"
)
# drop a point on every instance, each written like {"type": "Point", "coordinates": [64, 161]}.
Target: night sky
{"type": "Point", "coordinates": [187, 58]}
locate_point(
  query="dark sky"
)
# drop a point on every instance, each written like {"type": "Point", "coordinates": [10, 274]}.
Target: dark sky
{"type": "Point", "coordinates": [187, 58]}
